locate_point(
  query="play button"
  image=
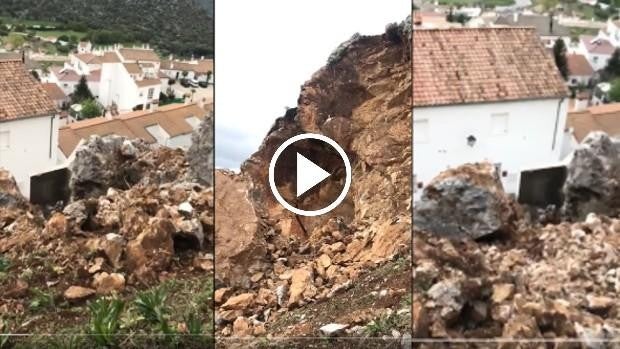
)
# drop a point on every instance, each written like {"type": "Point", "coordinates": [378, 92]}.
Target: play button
{"type": "Point", "coordinates": [309, 174]}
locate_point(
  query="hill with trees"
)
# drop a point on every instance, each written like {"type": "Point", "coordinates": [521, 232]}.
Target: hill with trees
{"type": "Point", "coordinates": [181, 27]}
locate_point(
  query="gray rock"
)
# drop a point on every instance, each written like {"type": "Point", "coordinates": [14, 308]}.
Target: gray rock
{"type": "Point", "coordinates": [200, 153]}
{"type": "Point", "coordinates": [593, 178]}
{"type": "Point", "coordinates": [467, 201]}
{"type": "Point", "coordinates": [447, 295]}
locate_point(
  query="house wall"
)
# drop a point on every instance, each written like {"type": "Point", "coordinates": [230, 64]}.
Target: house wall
{"type": "Point", "coordinates": [29, 148]}
{"type": "Point", "coordinates": [576, 80]}
{"type": "Point", "coordinates": [117, 86]}
{"type": "Point", "coordinates": [523, 141]}
{"type": "Point", "coordinates": [143, 93]}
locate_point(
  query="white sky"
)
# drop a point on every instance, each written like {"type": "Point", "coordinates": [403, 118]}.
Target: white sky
{"type": "Point", "coordinates": [265, 50]}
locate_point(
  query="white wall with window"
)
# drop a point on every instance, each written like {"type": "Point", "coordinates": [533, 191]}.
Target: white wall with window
{"type": "Point", "coordinates": [519, 135]}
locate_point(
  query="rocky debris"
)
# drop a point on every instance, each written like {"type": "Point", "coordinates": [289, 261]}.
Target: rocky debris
{"type": "Point", "coordinates": [117, 162]}
{"type": "Point", "coordinates": [592, 182]}
{"type": "Point", "coordinates": [332, 329]}
{"type": "Point", "coordinates": [361, 99]}
{"type": "Point", "coordinates": [200, 153]}
{"type": "Point", "coordinates": [135, 219]}
{"type": "Point", "coordinates": [465, 202]}
{"type": "Point", "coordinates": [9, 192]}
{"type": "Point", "coordinates": [74, 293]}
{"type": "Point", "coordinates": [554, 281]}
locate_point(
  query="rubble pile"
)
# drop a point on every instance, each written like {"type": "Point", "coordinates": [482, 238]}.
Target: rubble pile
{"type": "Point", "coordinates": [552, 282]}
{"type": "Point", "coordinates": [135, 219]}
{"type": "Point", "coordinates": [467, 201]}
{"type": "Point", "coordinates": [270, 261]}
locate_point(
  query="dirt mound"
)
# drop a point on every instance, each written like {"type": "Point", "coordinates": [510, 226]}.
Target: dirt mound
{"type": "Point", "coordinates": [361, 99]}
{"type": "Point", "coordinates": [467, 201]}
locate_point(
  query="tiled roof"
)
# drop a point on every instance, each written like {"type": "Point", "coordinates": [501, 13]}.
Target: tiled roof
{"type": "Point", "coordinates": [53, 91]}
{"type": "Point", "coordinates": [132, 125]}
{"type": "Point", "coordinates": [148, 82]}
{"type": "Point", "coordinates": [10, 56]}
{"type": "Point", "coordinates": [132, 68]}
{"type": "Point", "coordinates": [138, 54]}
{"type": "Point", "coordinates": [597, 45]}
{"type": "Point", "coordinates": [65, 74]}
{"type": "Point", "coordinates": [88, 58]}
{"type": "Point", "coordinates": [21, 96]}
{"type": "Point", "coordinates": [540, 22]}
{"type": "Point", "coordinates": [578, 65]}
{"type": "Point", "coordinates": [95, 75]}
{"type": "Point", "coordinates": [110, 57]}
{"type": "Point", "coordinates": [456, 66]}
{"type": "Point", "coordinates": [604, 118]}
{"type": "Point", "coordinates": [201, 67]}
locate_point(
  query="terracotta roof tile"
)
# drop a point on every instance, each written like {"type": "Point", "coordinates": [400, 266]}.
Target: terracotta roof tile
{"type": "Point", "coordinates": [132, 125]}
{"type": "Point", "coordinates": [597, 46]}
{"type": "Point", "coordinates": [138, 54]}
{"type": "Point", "coordinates": [110, 57]}
{"type": "Point", "coordinates": [21, 96]}
{"type": "Point", "coordinates": [604, 118]}
{"type": "Point", "coordinates": [456, 66]}
{"type": "Point", "coordinates": [88, 58]}
{"type": "Point", "coordinates": [579, 65]}
{"type": "Point", "coordinates": [53, 91]}
{"type": "Point", "coordinates": [148, 82]}
{"type": "Point", "coordinates": [201, 67]}
{"type": "Point", "coordinates": [132, 68]}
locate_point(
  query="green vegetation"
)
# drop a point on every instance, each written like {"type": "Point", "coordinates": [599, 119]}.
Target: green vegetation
{"type": "Point", "coordinates": [4, 264]}
{"type": "Point", "coordinates": [90, 109]}
{"type": "Point", "coordinates": [614, 92]}
{"type": "Point", "coordinates": [382, 325]}
{"type": "Point", "coordinates": [182, 27]}
{"type": "Point", "coordinates": [559, 55]}
{"type": "Point", "coordinates": [104, 320]}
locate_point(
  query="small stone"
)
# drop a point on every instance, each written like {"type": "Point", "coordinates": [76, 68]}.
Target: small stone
{"type": "Point", "coordinates": [256, 277]}
{"type": "Point", "coordinates": [96, 267]}
{"type": "Point", "coordinates": [502, 292]}
{"type": "Point", "coordinates": [324, 261]}
{"type": "Point", "coordinates": [333, 329]}
{"type": "Point", "coordinates": [108, 283]}
{"type": "Point", "coordinates": [239, 302]}
{"type": "Point", "coordinates": [221, 294]}
{"type": "Point", "coordinates": [78, 292]}
{"type": "Point", "coordinates": [242, 327]}
{"type": "Point", "coordinates": [599, 303]}
{"type": "Point", "coordinates": [186, 208]}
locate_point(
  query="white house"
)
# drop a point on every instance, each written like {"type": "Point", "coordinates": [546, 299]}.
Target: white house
{"type": "Point", "coordinates": [198, 69]}
{"type": "Point", "coordinates": [28, 125]}
{"type": "Point", "coordinates": [579, 124]}
{"type": "Point", "coordinates": [85, 47]}
{"type": "Point", "coordinates": [485, 94]}
{"type": "Point", "coordinates": [597, 50]}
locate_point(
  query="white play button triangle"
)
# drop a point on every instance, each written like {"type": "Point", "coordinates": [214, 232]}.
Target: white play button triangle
{"type": "Point", "coordinates": [308, 174]}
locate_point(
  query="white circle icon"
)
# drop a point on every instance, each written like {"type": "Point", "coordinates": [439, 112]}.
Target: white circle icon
{"type": "Point", "coordinates": [309, 174]}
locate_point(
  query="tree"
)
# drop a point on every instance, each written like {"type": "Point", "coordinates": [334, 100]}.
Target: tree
{"type": "Point", "coordinates": [81, 92]}
{"type": "Point", "coordinates": [559, 54]}
{"type": "Point", "coordinates": [209, 75]}
{"type": "Point", "coordinates": [90, 109]}
{"type": "Point", "coordinates": [35, 75]}
{"type": "Point", "coordinates": [185, 73]}
{"type": "Point", "coordinates": [612, 70]}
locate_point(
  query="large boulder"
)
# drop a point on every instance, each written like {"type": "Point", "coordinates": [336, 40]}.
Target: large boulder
{"type": "Point", "coordinates": [593, 178]}
{"type": "Point", "coordinates": [465, 202]}
{"type": "Point", "coordinates": [200, 153]}
{"type": "Point", "coordinates": [10, 195]}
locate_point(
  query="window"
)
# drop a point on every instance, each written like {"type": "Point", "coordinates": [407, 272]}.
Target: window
{"type": "Point", "coordinates": [420, 131]}
{"type": "Point", "coordinates": [499, 124]}
{"type": "Point", "coordinates": [595, 59]}
{"type": "Point", "coordinates": [5, 140]}
{"type": "Point", "coordinates": [151, 91]}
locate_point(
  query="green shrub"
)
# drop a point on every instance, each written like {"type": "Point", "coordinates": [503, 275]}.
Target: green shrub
{"type": "Point", "coordinates": [104, 320]}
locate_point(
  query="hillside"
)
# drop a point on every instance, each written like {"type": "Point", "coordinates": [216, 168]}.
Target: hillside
{"type": "Point", "coordinates": [182, 27]}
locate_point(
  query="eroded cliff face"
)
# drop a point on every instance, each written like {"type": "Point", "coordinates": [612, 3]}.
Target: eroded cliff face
{"type": "Point", "coordinates": [360, 99]}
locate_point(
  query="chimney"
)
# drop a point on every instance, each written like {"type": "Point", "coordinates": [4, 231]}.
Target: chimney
{"type": "Point", "coordinates": [171, 57]}
{"type": "Point", "coordinates": [515, 17]}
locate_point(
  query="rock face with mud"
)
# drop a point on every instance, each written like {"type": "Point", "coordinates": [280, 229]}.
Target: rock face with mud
{"type": "Point", "coordinates": [593, 178]}
{"type": "Point", "coordinates": [360, 99]}
{"type": "Point", "coordinates": [465, 202]}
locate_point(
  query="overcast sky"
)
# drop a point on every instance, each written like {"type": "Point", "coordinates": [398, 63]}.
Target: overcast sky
{"type": "Point", "coordinates": [265, 50]}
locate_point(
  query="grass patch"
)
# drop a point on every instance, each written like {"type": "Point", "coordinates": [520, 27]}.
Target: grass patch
{"type": "Point", "coordinates": [483, 3]}
{"type": "Point", "coordinates": [104, 320]}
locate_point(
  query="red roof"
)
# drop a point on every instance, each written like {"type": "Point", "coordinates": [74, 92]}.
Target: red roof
{"type": "Point", "coordinates": [579, 65]}
{"type": "Point", "coordinates": [21, 96]}
{"type": "Point", "coordinates": [463, 65]}
{"type": "Point", "coordinates": [597, 46]}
